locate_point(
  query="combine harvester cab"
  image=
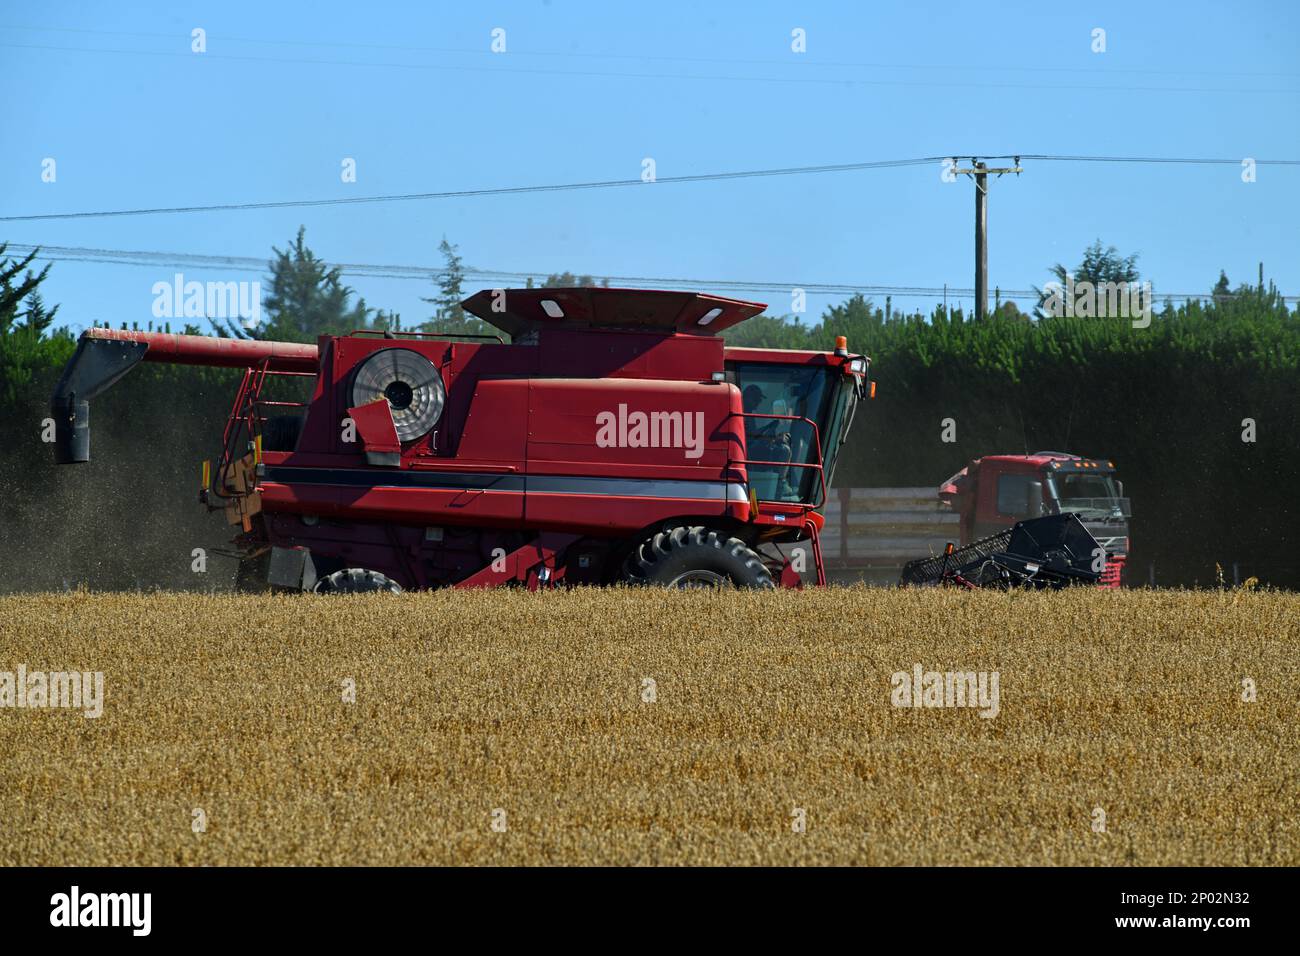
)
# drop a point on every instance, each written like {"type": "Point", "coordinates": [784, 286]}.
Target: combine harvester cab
{"type": "Point", "coordinates": [614, 439]}
{"type": "Point", "coordinates": [994, 492]}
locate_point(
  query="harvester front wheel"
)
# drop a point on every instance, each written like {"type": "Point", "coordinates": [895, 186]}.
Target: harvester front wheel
{"type": "Point", "coordinates": [357, 581]}
{"type": "Point", "coordinates": [695, 558]}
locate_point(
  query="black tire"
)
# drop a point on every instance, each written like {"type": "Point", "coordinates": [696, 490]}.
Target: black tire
{"type": "Point", "coordinates": [281, 432]}
{"type": "Point", "coordinates": [357, 581]}
{"type": "Point", "coordinates": [696, 557]}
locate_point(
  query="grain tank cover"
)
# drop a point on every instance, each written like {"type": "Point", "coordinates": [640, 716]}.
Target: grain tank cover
{"type": "Point", "coordinates": [520, 311]}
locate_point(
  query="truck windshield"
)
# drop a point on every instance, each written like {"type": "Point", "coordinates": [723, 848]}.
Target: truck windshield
{"type": "Point", "coordinates": [807, 391]}
{"type": "Point", "coordinates": [1086, 486]}
{"type": "Point", "coordinates": [1094, 495]}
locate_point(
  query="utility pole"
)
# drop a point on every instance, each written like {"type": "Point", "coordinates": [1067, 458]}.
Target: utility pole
{"type": "Point", "coordinates": [981, 241]}
{"type": "Point", "coordinates": [980, 171]}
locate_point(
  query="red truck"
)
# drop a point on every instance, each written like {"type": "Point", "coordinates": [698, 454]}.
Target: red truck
{"type": "Point", "coordinates": [994, 492]}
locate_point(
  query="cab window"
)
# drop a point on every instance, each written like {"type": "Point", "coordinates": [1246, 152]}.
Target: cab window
{"type": "Point", "coordinates": [778, 389]}
{"type": "Point", "coordinates": [1012, 492]}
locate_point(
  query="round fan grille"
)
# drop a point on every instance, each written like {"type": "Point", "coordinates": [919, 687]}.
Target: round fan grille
{"type": "Point", "coordinates": [409, 382]}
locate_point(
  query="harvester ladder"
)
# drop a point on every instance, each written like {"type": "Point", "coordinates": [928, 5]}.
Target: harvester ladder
{"type": "Point", "coordinates": [245, 419]}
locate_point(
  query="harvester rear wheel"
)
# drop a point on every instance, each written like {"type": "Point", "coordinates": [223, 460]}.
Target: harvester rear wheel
{"type": "Point", "coordinates": [694, 558]}
{"type": "Point", "coordinates": [357, 581]}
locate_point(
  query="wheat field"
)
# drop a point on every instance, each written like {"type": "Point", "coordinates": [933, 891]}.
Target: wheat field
{"type": "Point", "coordinates": [652, 727]}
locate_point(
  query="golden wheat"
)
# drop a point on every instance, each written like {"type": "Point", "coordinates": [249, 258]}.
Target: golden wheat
{"type": "Point", "coordinates": [610, 726]}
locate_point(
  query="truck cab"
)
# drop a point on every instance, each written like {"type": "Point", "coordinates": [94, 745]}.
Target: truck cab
{"type": "Point", "coordinates": [992, 493]}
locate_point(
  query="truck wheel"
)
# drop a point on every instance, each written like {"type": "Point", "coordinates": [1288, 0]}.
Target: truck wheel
{"type": "Point", "coordinates": [357, 581]}
{"type": "Point", "coordinates": [696, 558]}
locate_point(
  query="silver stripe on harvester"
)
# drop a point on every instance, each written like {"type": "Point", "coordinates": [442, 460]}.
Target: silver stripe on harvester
{"type": "Point", "coordinates": [534, 484]}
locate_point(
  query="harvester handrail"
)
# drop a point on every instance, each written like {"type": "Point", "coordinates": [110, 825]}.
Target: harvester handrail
{"type": "Point", "coordinates": [819, 464]}
{"type": "Point", "coordinates": [228, 432]}
{"type": "Point", "coordinates": [244, 414]}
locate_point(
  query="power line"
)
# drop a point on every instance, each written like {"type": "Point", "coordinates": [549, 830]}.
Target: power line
{"type": "Point", "coordinates": [802, 62]}
{"type": "Point", "coordinates": [495, 191]}
{"type": "Point", "coordinates": [427, 273]}
{"type": "Point", "coordinates": [615, 183]}
{"type": "Point", "coordinates": [1157, 159]}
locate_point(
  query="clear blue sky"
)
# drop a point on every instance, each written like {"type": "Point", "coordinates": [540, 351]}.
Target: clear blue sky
{"type": "Point", "coordinates": [585, 91]}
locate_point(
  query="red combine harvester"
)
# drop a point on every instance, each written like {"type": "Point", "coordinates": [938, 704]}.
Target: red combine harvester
{"type": "Point", "coordinates": [994, 492]}
{"type": "Point", "coordinates": [615, 438]}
